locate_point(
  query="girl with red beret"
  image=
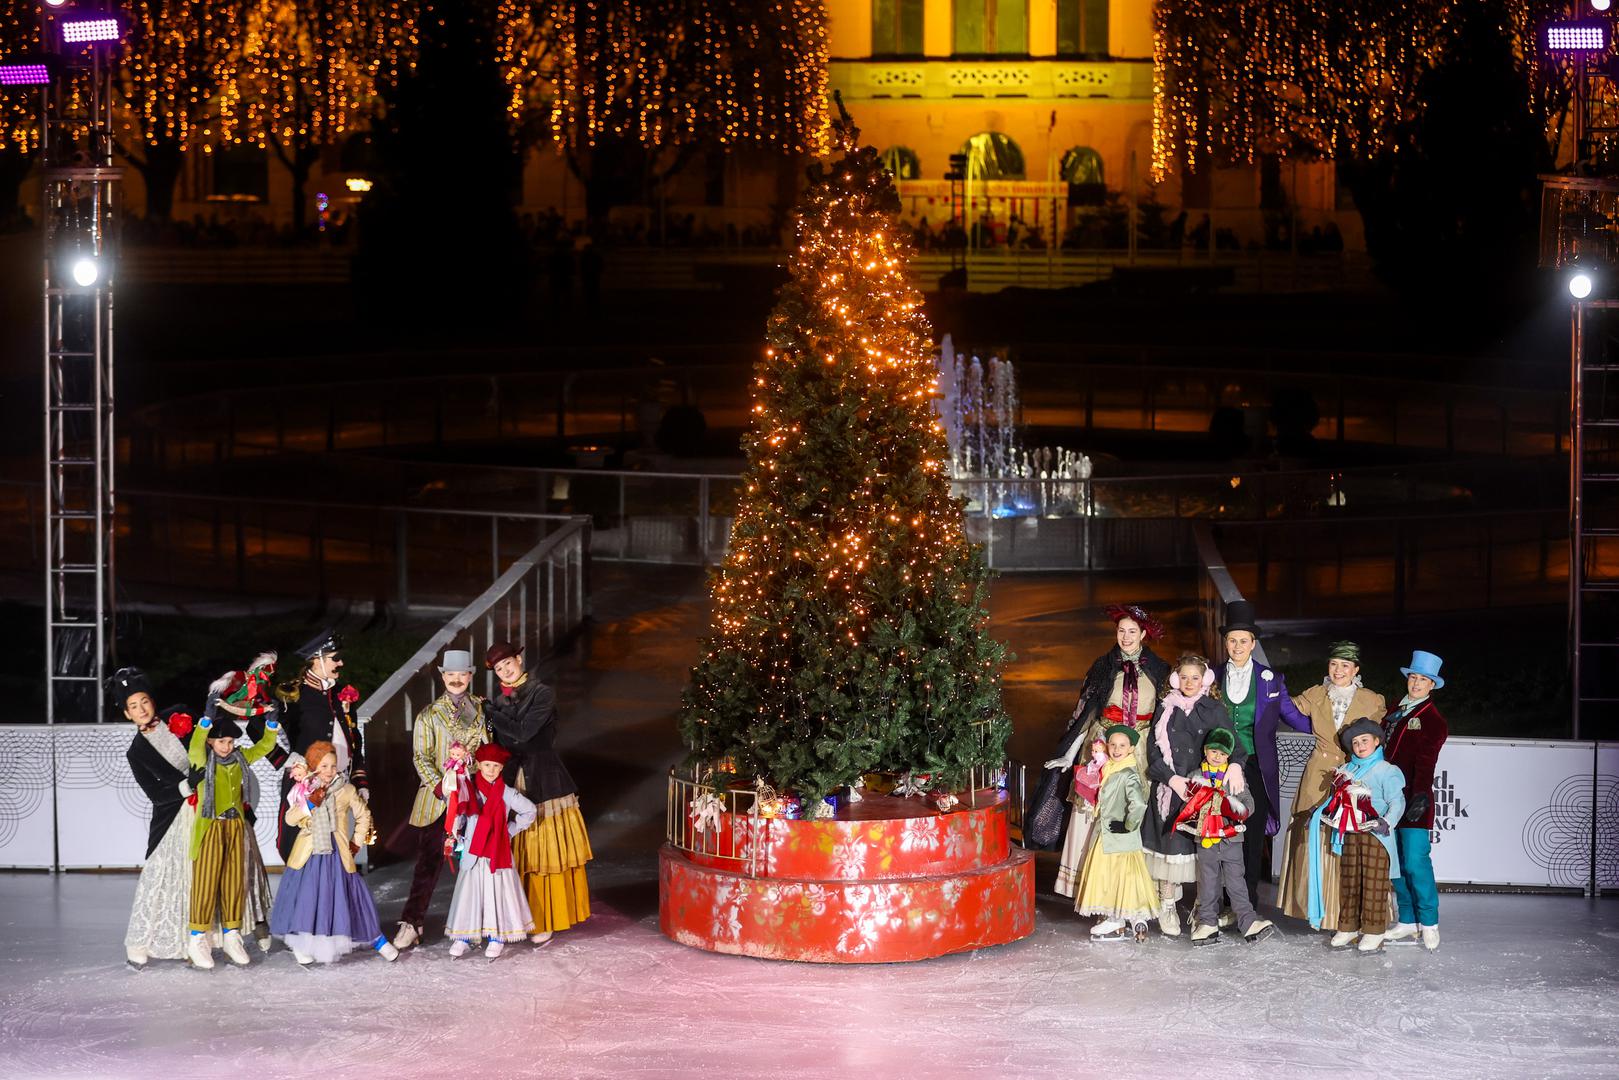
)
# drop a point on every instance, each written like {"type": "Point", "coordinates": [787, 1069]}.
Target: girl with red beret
{"type": "Point", "coordinates": [488, 901]}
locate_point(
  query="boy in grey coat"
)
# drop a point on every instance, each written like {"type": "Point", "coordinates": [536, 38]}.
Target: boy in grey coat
{"type": "Point", "coordinates": [1216, 813]}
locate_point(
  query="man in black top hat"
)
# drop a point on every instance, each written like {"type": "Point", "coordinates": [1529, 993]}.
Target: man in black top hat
{"type": "Point", "coordinates": [1257, 699]}
{"type": "Point", "coordinates": [314, 708]}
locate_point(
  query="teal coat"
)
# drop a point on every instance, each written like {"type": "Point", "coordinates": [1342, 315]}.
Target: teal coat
{"type": "Point", "coordinates": [1123, 795]}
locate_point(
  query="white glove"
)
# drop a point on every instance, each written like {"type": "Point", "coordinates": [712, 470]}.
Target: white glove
{"type": "Point", "coordinates": [1056, 763]}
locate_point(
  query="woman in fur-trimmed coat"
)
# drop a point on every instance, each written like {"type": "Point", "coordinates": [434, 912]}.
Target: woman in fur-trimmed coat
{"type": "Point", "coordinates": [1120, 688]}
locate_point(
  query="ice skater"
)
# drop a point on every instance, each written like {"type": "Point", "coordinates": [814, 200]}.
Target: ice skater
{"type": "Point", "coordinates": [1368, 796]}
{"type": "Point", "coordinates": [488, 901]}
{"type": "Point", "coordinates": [1113, 883]}
{"type": "Point", "coordinates": [1217, 816]}
{"type": "Point", "coordinates": [157, 759]}
{"type": "Point", "coordinates": [550, 855]}
{"type": "Point", "coordinates": [1188, 711]}
{"type": "Point", "coordinates": [219, 861]}
{"type": "Point", "coordinates": [323, 909]}
{"type": "Point", "coordinates": [1414, 733]}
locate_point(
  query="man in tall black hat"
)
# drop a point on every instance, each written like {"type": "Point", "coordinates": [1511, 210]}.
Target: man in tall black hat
{"type": "Point", "coordinates": [316, 708]}
{"type": "Point", "coordinates": [1258, 701]}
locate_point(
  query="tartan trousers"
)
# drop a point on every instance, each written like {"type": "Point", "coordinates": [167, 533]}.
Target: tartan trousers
{"type": "Point", "coordinates": [1364, 888]}
{"type": "Point", "coordinates": [219, 876]}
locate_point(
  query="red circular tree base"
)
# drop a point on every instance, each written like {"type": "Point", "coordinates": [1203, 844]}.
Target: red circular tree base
{"type": "Point", "coordinates": [857, 889]}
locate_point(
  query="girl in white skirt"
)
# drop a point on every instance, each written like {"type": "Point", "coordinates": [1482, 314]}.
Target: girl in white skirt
{"type": "Point", "coordinates": [489, 901]}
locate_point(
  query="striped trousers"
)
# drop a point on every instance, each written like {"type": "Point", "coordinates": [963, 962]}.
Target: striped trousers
{"type": "Point", "coordinates": [219, 876]}
{"type": "Point", "coordinates": [1364, 887]}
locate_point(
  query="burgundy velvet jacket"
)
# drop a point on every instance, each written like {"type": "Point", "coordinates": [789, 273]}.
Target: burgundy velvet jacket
{"type": "Point", "coordinates": [1412, 745]}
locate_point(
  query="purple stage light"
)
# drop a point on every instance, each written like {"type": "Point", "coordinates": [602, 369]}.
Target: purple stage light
{"type": "Point", "coordinates": [1587, 35]}
{"type": "Point", "coordinates": [80, 31]}
{"type": "Point", "coordinates": [24, 75]}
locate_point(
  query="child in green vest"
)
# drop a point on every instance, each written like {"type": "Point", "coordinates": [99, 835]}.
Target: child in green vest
{"type": "Point", "coordinates": [219, 861]}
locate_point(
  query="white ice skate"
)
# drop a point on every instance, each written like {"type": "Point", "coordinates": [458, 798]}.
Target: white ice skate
{"type": "Point", "coordinates": [1228, 918]}
{"type": "Point", "coordinates": [1203, 934]}
{"type": "Point", "coordinates": [303, 958]}
{"type": "Point", "coordinates": [1259, 931]}
{"type": "Point", "coordinates": [494, 949]}
{"type": "Point", "coordinates": [540, 938]}
{"type": "Point", "coordinates": [1343, 939]}
{"type": "Point", "coordinates": [407, 936]}
{"type": "Point", "coordinates": [1430, 938]}
{"type": "Point", "coordinates": [1169, 920]}
{"type": "Point", "coordinates": [1370, 943]}
{"type": "Point", "coordinates": [136, 956]}
{"type": "Point", "coordinates": [1140, 929]}
{"type": "Point", "coordinates": [1108, 930]}
{"type": "Point", "coordinates": [234, 949]}
{"type": "Point", "coordinates": [459, 947]}
{"type": "Point", "coordinates": [198, 952]}
{"type": "Point", "coordinates": [387, 951]}
{"type": "Point", "coordinates": [264, 943]}
{"type": "Point", "coordinates": [1402, 931]}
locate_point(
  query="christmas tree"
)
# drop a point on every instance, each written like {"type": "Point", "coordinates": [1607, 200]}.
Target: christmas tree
{"type": "Point", "coordinates": [849, 631]}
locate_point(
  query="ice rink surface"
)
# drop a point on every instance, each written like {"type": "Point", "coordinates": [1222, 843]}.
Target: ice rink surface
{"type": "Point", "coordinates": [1524, 986]}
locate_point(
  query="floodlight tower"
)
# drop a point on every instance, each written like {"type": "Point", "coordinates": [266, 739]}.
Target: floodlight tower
{"type": "Point", "coordinates": [80, 202]}
{"type": "Point", "coordinates": [1577, 213]}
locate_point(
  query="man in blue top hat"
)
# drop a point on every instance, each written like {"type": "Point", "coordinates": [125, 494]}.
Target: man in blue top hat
{"type": "Point", "coordinates": [1414, 733]}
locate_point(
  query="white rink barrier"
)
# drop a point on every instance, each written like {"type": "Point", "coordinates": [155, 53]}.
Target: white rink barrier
{"type": "Point", "coordinates": [1506, 811]}
{"type": "Point", "coordinates": [94, 815]}
{"type": "Point", "coordinates": [1509, 812]}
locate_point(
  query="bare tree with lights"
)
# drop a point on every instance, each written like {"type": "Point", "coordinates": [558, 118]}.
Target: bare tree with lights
{"type": "Point", "coordinates": [631, 90]}
{"type": "Point", "coordinates": [308, 73]}
{"type": "Point", "coordinates": [849, 631]}
{"type": "Point", "coordinates": [176, 54]}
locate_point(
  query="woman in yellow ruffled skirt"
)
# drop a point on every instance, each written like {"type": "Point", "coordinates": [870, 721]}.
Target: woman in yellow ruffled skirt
{"type": "Point", "coordinates": [550, 855]}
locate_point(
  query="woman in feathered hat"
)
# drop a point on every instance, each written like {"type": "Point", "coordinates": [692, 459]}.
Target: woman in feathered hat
{"type": "Point", "coordinates": [550, 856]}
{"type": "Point", "coordinates": [157, 758]}
{"type": "Point", "coordinates": [1120, 688]}
{"type": "Point", "coordinates": [1338, 700]}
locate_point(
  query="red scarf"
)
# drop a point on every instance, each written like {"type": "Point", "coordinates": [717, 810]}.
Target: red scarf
{"type": "Point", "coordinates": [489, 839]}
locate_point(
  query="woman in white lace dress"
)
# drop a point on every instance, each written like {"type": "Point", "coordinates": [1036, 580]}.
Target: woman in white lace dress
{"type": "Point", "coordinates": [157, 758]}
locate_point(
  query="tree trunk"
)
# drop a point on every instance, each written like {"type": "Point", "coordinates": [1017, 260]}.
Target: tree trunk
{"type": "Point", "coordinates": [161, 171]}
{"type": "Point", "coordinates": [14, 168]}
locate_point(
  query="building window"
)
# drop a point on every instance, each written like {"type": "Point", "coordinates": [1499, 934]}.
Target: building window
{"type": "Point", "coordinates": [1082, 27]}
{"type": "Point", "coordinates": [993, 156]}
{"type": "Point", "coordinates": [902, 162]}
{"type": "Point", "coordinates": [1082, 165]}
{"type": "Point", "coordinates": [896, 27]}
{"type": "Point", "coordinates": [1082, 169]}
{"type": "Point", "coordinates": [241, 173]}
{"type": "Point", "coordinates": [991, 27]}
